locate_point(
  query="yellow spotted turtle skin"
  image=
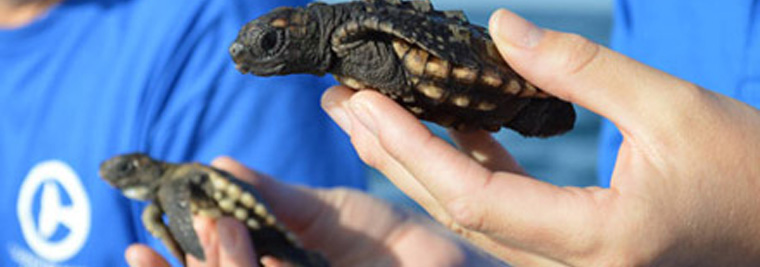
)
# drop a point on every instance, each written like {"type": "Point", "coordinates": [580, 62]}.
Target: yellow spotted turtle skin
{"type": "Point", "coordinates": [434, 63]}
{"type": "Point", "coordinates": [181, 191]}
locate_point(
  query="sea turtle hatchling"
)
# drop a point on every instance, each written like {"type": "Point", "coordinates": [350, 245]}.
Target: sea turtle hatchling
{"type": "Point", "coordinates": [434, 63]}
{"type": "Point", "coordinates": [182, 190]}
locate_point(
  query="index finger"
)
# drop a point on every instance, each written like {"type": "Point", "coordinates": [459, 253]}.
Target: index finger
{"type": "Point", "coordinates": [143, 256]}
{"type": "Point", "coordinates": [476, 198]}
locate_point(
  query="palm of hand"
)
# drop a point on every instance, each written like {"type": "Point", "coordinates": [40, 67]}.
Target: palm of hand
{"type": "Point", "coordinates": [354, 229]}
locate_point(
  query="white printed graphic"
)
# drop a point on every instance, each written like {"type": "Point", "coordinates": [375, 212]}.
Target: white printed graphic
{"type": "Point", "coordinates": [50, 176]}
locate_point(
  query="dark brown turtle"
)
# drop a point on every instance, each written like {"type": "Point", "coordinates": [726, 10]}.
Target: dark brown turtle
{"type": "Point", "coordinates": [434, 63]}
{"type": "Point", "coordinates": [181, 190]}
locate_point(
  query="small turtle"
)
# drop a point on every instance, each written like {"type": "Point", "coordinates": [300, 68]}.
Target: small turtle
{"type": "Point", "coordinates": [434, 63]}
{"type": "Point", "coordinates": [182, 190]}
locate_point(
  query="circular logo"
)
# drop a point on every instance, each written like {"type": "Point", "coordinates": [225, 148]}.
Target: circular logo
{"type": "Point", "coordinates": [48, 178]}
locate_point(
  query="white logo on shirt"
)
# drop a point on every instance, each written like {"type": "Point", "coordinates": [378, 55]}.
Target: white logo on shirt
{"type": "Point", "coordinates": [61, 228]}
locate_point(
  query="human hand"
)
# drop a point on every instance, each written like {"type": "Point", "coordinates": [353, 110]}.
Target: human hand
{"type": "Point", "coordinates": [684, 190]}
{"type": "Point", "coordinates": [225, 242]}
{"type": "Point", "coordinates": [348, 227]}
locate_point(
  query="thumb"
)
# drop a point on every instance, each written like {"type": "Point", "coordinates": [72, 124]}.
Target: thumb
{"type": "Point", "coordinates": [577, 70]}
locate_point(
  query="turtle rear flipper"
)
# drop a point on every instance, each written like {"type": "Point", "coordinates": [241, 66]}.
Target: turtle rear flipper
{"type": "Point", "coordinates": [541, 118]}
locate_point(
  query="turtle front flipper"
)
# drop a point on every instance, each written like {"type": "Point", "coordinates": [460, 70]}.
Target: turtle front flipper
{"type": "Point", "coordinates": [152, 220]}
{"type": "Point", "coordinates": [174, 197]}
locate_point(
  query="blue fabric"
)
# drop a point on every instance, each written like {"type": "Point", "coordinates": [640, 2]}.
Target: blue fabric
{"type": "Point", "coordinates": [92, 79]}
{"type": "Point", "coordinates": [715, 44]}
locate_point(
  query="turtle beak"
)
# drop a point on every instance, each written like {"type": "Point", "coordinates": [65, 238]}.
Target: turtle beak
{"type": "Point", "coordinates": [235, 50]}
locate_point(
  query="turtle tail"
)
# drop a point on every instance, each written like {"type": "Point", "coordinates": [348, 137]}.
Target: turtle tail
{"type": "Point", "coordinates": [544, 118]}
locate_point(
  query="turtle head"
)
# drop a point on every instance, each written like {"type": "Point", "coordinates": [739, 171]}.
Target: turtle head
{"type": "Point", "coordinates": [281, 42]}
{"type": "Point", "coordinates": [136, 175]}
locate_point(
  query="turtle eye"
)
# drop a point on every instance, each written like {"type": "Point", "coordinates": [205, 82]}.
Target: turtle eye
{"type": "Point", "coordinates": [268, 41]}
{"type": "Point", "coordinates": [128, 166]}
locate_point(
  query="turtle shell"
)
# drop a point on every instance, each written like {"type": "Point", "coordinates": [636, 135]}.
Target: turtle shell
{"type": "Point", "coordinates": [436, 64]}
{"type": "Point", "coordinates": [456, 75]}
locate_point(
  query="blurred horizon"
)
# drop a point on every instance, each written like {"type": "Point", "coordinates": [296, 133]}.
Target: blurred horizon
{"type": "Point", "coordinates": [590, 18]}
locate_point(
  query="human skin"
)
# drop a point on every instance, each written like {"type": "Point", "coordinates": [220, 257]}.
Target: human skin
{"type": "Point", "coordinates": [17, 13]}
{"type": "Point", "coordinates": [348, 227]}
{"type": "Point", "coordinates": [684, 190]}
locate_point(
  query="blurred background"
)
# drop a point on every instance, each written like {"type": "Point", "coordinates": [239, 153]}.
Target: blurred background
{"type": "Point", "coordinates": [569, 159]}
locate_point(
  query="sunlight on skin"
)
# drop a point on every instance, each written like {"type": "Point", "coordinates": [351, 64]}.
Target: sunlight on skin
{"type": "Point", "coordinates": [676, 197]}
{"type": "Point", "coordinates": [17, 13]}
{"type": "Point", "coordinates": [360, 229]}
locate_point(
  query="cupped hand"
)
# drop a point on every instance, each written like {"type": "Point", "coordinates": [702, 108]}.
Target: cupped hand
{"type": "Point", "coordinates": [225, 242]}
{"type": "Point", "coordinates": [348, 227]}
{"type": "Point", "coordinates": [684, 190]}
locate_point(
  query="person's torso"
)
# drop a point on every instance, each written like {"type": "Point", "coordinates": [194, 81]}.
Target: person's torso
{"type": "Point", "coordinates": [88, 81]}
{"type": "Point", "coordinates": [714, 44]}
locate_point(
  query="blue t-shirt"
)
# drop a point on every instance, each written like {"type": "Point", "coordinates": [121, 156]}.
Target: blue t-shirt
{"type": "Point", "coordinates": [715, 44]}
{"type": "Point", "coordinates": [92, 79]}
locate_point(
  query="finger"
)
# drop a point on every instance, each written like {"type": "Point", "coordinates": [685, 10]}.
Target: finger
{"type": "Point", "coordinates": [334, 102]}
{"type": "Point", "coordinates": [484, 149]}
{"type": "Point", "coordinates": [144, 256]}
{"type": "Point", "coordinates": [236, 248]}
{"type": "Point", "coordinates": [411, 144]}
{"type": "Point", "coordinates": [205, 228]}
{"type": "Point", "coordinates": [268, 261]}
{"type": "Point", "coordinates": [518, 209]}
{"type": "Point", "coordinates": [317, 215]}
{"type": "Point", "coordinates": [575, 69]}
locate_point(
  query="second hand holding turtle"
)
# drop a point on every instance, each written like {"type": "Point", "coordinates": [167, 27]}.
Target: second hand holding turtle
{"type": "Point", "coordinates": [183, 190]}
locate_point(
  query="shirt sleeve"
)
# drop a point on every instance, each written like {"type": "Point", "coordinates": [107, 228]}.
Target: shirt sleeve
{"type": "Point", "coordinates": [609, 144]}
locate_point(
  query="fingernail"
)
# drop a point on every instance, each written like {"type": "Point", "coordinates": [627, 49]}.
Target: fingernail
{"type": "Point", "coordinates": [340, 116]}
{"type": "Point", "coordinates": [132, 261]}
{"type": "Point", "coordinates": [361, 111]}
{"type": "Point", "coordinates": [228, 235]}
{"type": "Point", "coordinates": [336, 111]}
{"type": "Point", "coordinates": [512, 29]}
